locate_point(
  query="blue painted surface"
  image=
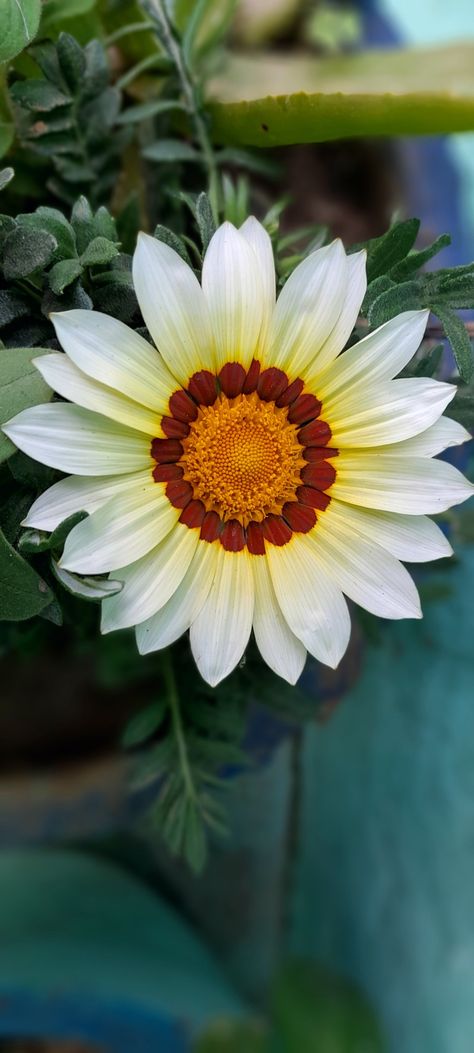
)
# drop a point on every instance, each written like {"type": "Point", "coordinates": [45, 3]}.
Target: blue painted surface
{"type": "Point", "coordinates": [384, 889]}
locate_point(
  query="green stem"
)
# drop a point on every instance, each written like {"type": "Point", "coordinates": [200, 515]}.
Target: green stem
{"type": "Point", "coordinates": [125, 31]}
{"type": "Point", "coordinates": [157, 12]}
{"type": "Point", "coordinates": [173, 699]}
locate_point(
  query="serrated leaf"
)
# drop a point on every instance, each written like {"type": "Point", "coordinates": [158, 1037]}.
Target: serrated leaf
{"type": "Point", "coordinates": [38, 95]}
{"type": "Point", "coordinates": [88, 588]}
{"type": "Point", "coordinates": [6, 176]}
{"type": "Point", "coordinates": [25, 250]}
{"type": "Point", "coordinates": [275, 100]}
{"type": "Point", "coordinates": [98, 251]}
{"type": "Point", "coordinates": [63, 274]}
{"type": "Point", "coordinates": [20, 21]}
{"type": "Point", "coordinates": [71, 61]}
{"type": "Point", "coordinates": [22, 592]}
{"type": "Point", "coordinates": [170, 150]}
{"type": "Point", "coordinates": [21, 385]}
{"type": "Point", "coordinates": [168, 237]}
{"type": "Point", "coordinates": [458, 338]}
{"type": "Point", "coordinates": [144, 724]}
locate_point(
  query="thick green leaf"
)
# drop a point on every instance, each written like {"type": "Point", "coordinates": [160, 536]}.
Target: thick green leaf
{"type": "Point", "coordinates": [22, 592]}
{"type": "Point", "coordinates": [99, 250]}
{"type": "Point", "coordinates": [25, 250]}
{"type": "Point", "coordinates": [398, 298]}
{"type": "Point", "coordinates": [274, 99]}
{"type": "Point", "coordinates": [38, 95]}
{"type": "Point", "coordinates": [72, 61]}
{"type": "Point", "coordinates": [418, 258]}
{"type": "Point", "coordinates": [19, 25]}
{"type": "Point", "coordinates": [21, 385]}
{"type": "Point", "coordinates": [13, 305]}
{"type": "Point", "coordinates": [55, 223]}
{"type": "Point", "coordinates": [458, 338]}
{"type": "Point", "coordinates": [171, 239]}
{"type": "Point", "coordinates": [168, 150]}
{"type": "Point", "coordinates": [63, 273]}
{"type": "Point", "coordinates": [385, 252]}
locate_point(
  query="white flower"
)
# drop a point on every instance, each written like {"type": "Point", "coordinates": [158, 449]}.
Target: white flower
{"type": "Point", "coordinates": [245, 474]}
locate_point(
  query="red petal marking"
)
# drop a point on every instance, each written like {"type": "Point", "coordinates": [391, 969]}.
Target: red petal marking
{"type": "Point", "coordinates": [304, 408]}
{"type": "Point", "coordinates": [314, 498]}
{"type": "Point", "coordinates": [293, 390]}
{"type": "Point", "coordinates": [319, 475]}
{"type": "Point", "coordinates": [166, 450]}
{"type": "Point", "coordinates": [211, 527]}
{"type": "Point", "coordinates": [271, 384]}
{"type": "Point", "coordinates": [233, 536]}
{"type": "Point", "coordinates": [163, 473]}
{"type": "Point", "coordinates": [182, 406]}
{"type": "Point", "coordinates": [319, 453]}
{"type": "Point", "coordinates": [300, 517]}
{"type": "Point", "coordinates": [276, 530]}
{"type": "Point", "coordinates": [193, 514]}
{"type": "Point", "coordinates": [203, 387]}
{"type": "Point", "coordinates": [255, 539]}
{"type": "Point", "coordinates": [251, 379]}
{"type": "Point", "coordinates": [231, 378]}
{"type": "Point", "coordinates": [179, 493]}
{"type": "Point", "coordinates": [315, 434]}
{"type": "Point", "coordinates": [174, 429]}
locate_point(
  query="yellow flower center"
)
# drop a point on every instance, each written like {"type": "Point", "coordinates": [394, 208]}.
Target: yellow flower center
{"type": "Point", "coordinates": [242, 458]}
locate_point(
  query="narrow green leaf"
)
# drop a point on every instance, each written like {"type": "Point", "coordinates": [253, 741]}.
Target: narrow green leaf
{"type": "Point", "coordinates": [63, 273]}
{"type": "Point", "coordinates": [60, 533]}
{"type": "Point", "coordinates": [25, 250]}
{"type": "Point", "coordinates": [376, 288]}
{"type": "Point", "coordinates": [21, 385]}
{"type": "Point", "coordinates": [418, 258]}
{"type": "Point", "coordinates": [144, 110]}
{"type": "Point", "coordinates": [170, 150]}
{"type": "Point", "coordinates": [144, 724]}
{"type": "Point", "coordinates": [254, 161]}
{"type": "Point", "coordinates": [404, 297]}
{"type": "Point", "coordinates": [462, 408]}
{"type": "Point", "coordinates": [71, 61]}
{"type": "Point", "coordinates": [99, 251]}
{"type": "Point", "coordinates": [458, 338]}
{"type": "Point", "coordinates": [453, 286]}
{"type": "Point", "coordinates": [22, 592]}
{"type": "Point", "coordinates": [428, 365]}
{"type": "Point", "coordinates": [384, 252]}
{"type": "Point", "coordinates": [170, 238]}
{"type": "Point", "coordinates": [205, 219]}
{"type": "Point", "coordinates": [20, 21]}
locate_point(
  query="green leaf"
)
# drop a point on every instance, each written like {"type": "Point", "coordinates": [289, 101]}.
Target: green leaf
{"type": "Point", "coordinates": [57, 11]}
{"type": "Point", "coordinates": [453, 286]}
{"type": "Point", "coordinates": [234, 1036]}
{"type": "Point", "coordinates": [38, 95]}
{"type": "Point", "coordinates": [418, 258]}
{"type": "Point", "coordinates": [458, 338]}
{"type": "Point", "coordinates": [6, 176]}
{"type": "Point", "coordinates": [20, 21]}
{"type": "Point", "coordinates": [59, 535]}
{"type": "Point", "coordinates": [12, 306]}
{"type": "Point", "coordinates": [63, 273]}
{"type": "Point", "coordinates": [54, 222]}
{"type": "Point", "coordinates": [22, 592]}
{"type": "Point", "coordinates": [98, 251]}
{"type": "Point", "coordinates": [170, 238]}
{"type": "Point", "coordinates": [87, 588]}
{"type": "Point", "coordinates": [462, 408]}
{"type": "Point", "coordinates": [21, 385]}
{"type": "Point", "coordinates": [429, 364]}
{"type": "Point", "coordinates": [169, 150]}
{"type": "Point", "coordinates": [404, 297]}
{"type": "Point", "coordinates": [144, 724]}
{"type": "Point", "coordinates": [252, 161]}
{"type": "Point", "coordinates": [7, 130]}
{"type": "Point", "coordinates": [72, 61]}
{"type": "Point", "coordinates": [25, 250]}
{"type": "Point", "coordinates": [205, 219]}
{"type": "Point", "coordinates": [385, 252]}
{"type": "Point", "coordinates": [144, 110]}
{"type": "Point", "coordinates": [276, 100]}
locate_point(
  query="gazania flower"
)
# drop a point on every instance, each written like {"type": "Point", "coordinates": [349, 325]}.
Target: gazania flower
{"type": "Point", "coordinates": [244, 473]}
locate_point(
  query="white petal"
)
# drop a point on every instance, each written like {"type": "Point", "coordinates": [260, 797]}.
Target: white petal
{"type": "Point", "coordinates": [366, 573]}
{"type": "Point", "coordinates": [339, 335]}
{"type": "Point", "coordinates": [64, 377]}
{"type": "Point", "coordinates": [110, 352]}
{"type": "Point", "coordinates": [377, 357]}
{"type": "Point", "coordinates": [411, 485]}
{"type": "Point", "coordinates": [172, 620]}
{"type": "Point", "coordinates": [440, 436]}
{"type": "Point", "coordinates": [125, 528]}
{"type": "Point", "coordinates": [232, 286]}
{"type": "Point", "coordinates": [278, 646]}
{"type": "Point", "coordinates": [414, 539]}
{"type": "Point", "coordinates": [386, 413]}
{"type": "Point", "coordinates": [173, 306]}
{"type": "Point", "coordinates": [220, 633]}
{"type": "Point", "coordinates": [77, 494]}
{"type": "Point", "coordinates": [78, 441]}
{"type": "Point", "coordinates": [312, 604]}
{"type": "Point", "coordinates": [256, 235]}
{"type": "Point", "coordinates": [150, 581]}
{"type": "Point", "coordinates": [308, 308]}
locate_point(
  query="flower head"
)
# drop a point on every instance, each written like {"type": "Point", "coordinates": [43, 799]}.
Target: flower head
{"type": "Point", "coordinates": [245, 472]}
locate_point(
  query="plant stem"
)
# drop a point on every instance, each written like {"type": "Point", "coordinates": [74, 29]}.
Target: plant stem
{"type": "Point", "coordinates": [173, 699]}
{"type": "Point", "coordinates": [157, 12]}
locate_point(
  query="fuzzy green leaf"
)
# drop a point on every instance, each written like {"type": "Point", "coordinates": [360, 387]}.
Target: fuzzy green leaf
{"type": "Point", "coordinates": [38, 95]}
{"type": "Point", "coordinates": [168, 237]}
{"type": "Point", "coordinates": [385, 252]}
{"type": "Point", "coordinates": [404, 297]}
{"type": "Point", "coordinates": [453, 286]}
{"type": "Point", "coordinates": [418, 258]}
{"type": "Point", "coordinates": [22, 592]}
{"type": "Point", "coordinates": [205, 219]}
{"type": "Point", "coordinates": [6, 176]}
{"type": "Point", "coordinates": [25, 250]}
{"type": "Point", "coordinates": [63, 273]}
{"type": "Point", "coordinates": [21, 385]}
{"type": "Point", "coordinates": [13, 305]}
{"type": "Point", "coordinates": [458, 338]}
{"type": "Point", "coordinates": [462, 408]}
{"type": "Point", "coordinates": [53, 222]}
{"type": "Point", "coordinates": [98, 251]}
{"type": "Point", "coordinates": [170, 150]}
{"type": "Point", "coordinates": [72, 61]}
{"type": "Point", "coordinates": [20, 21]}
